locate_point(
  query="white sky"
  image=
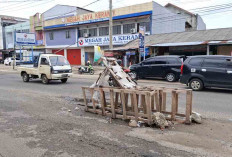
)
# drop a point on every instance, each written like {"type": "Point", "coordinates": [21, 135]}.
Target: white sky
{"type": "Point", "coordinates": [26, 8]}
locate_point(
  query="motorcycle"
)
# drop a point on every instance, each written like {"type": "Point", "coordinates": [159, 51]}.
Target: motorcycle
{"type": "Point", "coordinates": [88, 69]}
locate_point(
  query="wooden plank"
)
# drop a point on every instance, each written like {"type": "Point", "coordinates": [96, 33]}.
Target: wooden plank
{"type": "Point", "coordinates": [164, 102]}
{"type": "Point", "coordinates": [173, 114]}
{"type": "Point", "coordinates": [152, 101]}
{"type": "Point", "coordinates": [135, 104]}
{"type": "Point", "coordinates": [126, 100]}
{"type": "Point", "coordinates": [112, 103]}
{"type": "Point", "coordinates": [123, 104]}
{"type": "Point", "coordinates": [103, 101]}
{"type": "Point", "coordinates": [148, 108]}
{"type": "Point", "coordinates": [132, 102]}
{"type": "Point", "coordinates": [188, 106]}
{"type": "Point", "coordinates": [85, 100]}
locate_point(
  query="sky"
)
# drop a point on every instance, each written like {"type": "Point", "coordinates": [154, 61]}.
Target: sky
{"type": "Point", "coordinates": [221, 19]}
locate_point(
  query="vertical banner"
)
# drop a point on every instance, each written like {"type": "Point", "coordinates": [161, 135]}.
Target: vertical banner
{"type": "Point", "coordinates": [97, 53]}
{"type": "Point", "coordinates": [141, 41]}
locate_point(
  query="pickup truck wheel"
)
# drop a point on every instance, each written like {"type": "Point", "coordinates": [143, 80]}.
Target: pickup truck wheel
{"type": "Point", "coordinates": [196, 84]}
{"type": "Point", "coordinates": [45, 80]}
{"type": "Point", "coordinates": [64, 80]}
{"type": "Point", "coordinates": [25, 77]}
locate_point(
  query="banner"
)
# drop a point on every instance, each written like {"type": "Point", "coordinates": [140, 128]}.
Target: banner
{"type": "Point", "coordinates": [98, 53]}
{"type": "Point", "coordinates": [25, 38]}
{"type": "Point", "coordinates": [104, 40]}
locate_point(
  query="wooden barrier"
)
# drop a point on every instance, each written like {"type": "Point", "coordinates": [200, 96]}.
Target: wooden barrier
{"type": "Point", "coordinates": [138, 105]}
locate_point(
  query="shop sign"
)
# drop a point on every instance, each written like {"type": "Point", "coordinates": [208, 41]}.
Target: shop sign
{"type": "Point", "coordinates": [101, 41]}
{"type": "Point", "coordinates": [25, 38]}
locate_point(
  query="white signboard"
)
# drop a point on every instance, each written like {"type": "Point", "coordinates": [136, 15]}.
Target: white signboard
{"type": "Point", "coordinates": [25, 38]}
{"type": "Point", "coordinates": [104, 40]}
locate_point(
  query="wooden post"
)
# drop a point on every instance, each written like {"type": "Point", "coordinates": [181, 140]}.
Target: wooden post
{"type": "Point", "coordinates": [85, 100]}
{"type": "Point", "coordinates": [126, 100]}
{"type": "Point", "coordinates": [116, 99]}
{"type": "Point", "coordinates": [148, 108]}
{"type": "Point", "coordinates": [136, 106]}
{"type": "Point", "coordinates": [132, 102]}
{"type": "Point", "coordinates": [112, 103]}
{"type": "Point", "coordinates": [143, 103]}
{"type": "Point", "coordinates": [103, 101]}
{"type": "Point", "coordinates": [160, 101]}
{"type": "Point", "coordinates": [164, 102]}
{"type": "Point", "coordinates": [157, 100]}
{"type": "Point", "coordinates": [173, 114]}
{"type": "Point", "coordinates": [177, 102]}
{"type": "Point", "coordinates": [93, 101]}
{"type": "Point", "coordinates": [123, 104]}
{"type": "Point", "coordinates": [152, 101]}
{"type": "Point", "coordinates": [188, 106]}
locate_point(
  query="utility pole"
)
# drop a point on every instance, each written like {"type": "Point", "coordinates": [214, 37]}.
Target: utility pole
{"type": "Point", "coordinates": [111, 25]}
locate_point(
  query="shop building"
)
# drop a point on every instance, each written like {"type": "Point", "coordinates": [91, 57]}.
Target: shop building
{"type": "Point", "coordinates": [7, 35]}
{"type": "Point", "coordinates": [75, 36]}
{"type": "Point", "coordinates": [203, 42]}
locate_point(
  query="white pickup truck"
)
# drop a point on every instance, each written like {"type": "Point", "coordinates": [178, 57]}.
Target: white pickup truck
{"type": "Point", "coordinates": [47, 67]}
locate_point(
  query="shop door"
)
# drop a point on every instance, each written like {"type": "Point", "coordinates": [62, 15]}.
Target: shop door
{"type": "Point", "coordinates": [74, 56]}
{"type": "Point", "coordinates": [61, 52]}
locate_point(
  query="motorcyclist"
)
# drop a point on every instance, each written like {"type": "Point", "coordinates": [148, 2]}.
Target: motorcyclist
{"type": "Point", "coordinates": [89, 65]}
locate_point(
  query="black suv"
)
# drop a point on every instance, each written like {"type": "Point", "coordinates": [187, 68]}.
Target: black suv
{"type": "Point", "coordinates": [167, 67]}
{"type": "Point", "coordinates": [198, 72]}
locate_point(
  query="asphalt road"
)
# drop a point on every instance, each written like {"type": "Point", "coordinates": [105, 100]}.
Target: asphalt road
{"type": "Point", "coordinates": [211, 103]}
{"type": "Point", "coordinates": [42, 120]}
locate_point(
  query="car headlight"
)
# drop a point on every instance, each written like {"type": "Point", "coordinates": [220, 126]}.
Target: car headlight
{"type": "Point", "coordinates": [55, 72]}
{"type": "Point", "coordinates": [70, 71]}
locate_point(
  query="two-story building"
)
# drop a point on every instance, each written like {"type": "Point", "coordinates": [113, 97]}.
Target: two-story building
{"type": "Point", "coordinates": [75, 36]}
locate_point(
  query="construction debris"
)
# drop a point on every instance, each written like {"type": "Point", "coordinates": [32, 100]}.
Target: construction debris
{"type": "Point", "coordinates": [116, 95]}
{"type": "Point", "coordinates": [160, 120]}
{"type": "Point", "coordinates": [196, 117]}
{"type": "Point", "coordinates": [133, 123]}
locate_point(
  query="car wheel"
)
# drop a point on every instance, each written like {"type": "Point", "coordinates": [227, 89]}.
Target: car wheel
{"type": "Point", "coordinates": [9, 64]}
{"type": "Point", "coordinates": [64, 80]}
{"type": "Point", "coordinates": [45, 80]}
{"type": "Point", "coordinates": [196, 84]}
{"type": "Point", "coordinates": [25, 77]}
{"type": "Point", "coordinates": [170, 77]}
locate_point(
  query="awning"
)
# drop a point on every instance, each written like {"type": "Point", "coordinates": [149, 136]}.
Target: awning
{"type": "Point", "coordinates": [179, 44]}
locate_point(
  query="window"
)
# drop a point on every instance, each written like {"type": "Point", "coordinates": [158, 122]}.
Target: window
{"type": "Point", "coordinates": [93, 32]}
{"type": "Point", "coordinates": [82, 32]}
{"type": "Point", "coordinates": [146, 25]}
{"type": "Point", "coordinates": [44, 61]}
{"type": "Point", "coordinates": [67, 34]}
{"type": "Point", "coordinates": [103, 31]}
{"type": "Point", "coordinates": [127, 28]}
{"type": "Point", "coordinates": [148, 62]}
{"type": "Point", "coordinates": [51, 37]}
{"type": "Point", "coordinates": [160, 61]}
{"type": "Point", "coordinates": [229, 63]}
{"type": "Point", "coordinates": [196, 61]}
{"type": "Point", "coordinates": [214, 63]}
{"type": "Point", "coordinates": [174, 61]}
{"type": "Point", "coordinates": [117, 29]}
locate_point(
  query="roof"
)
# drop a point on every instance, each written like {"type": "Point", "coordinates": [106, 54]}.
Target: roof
{"type": "Point", "coordinates": [212, 36]}
{"type": "Point", "coordinates": [170, 4]}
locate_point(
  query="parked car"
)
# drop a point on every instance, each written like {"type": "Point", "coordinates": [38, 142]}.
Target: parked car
{"type": "Point", "coordinates": [9, 61]}
{"type": "Point", "coordinates": [167, 67]}
{"type": "Point", "coordinates": [198, 72]}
